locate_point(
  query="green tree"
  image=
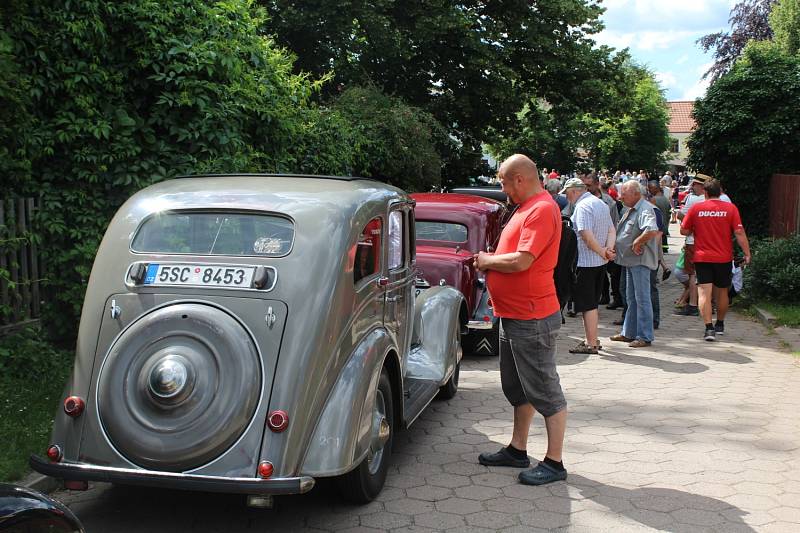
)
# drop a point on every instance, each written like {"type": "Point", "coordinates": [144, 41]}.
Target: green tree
{"type": "Point", "coordinates": [785, 22]}
{"type": "Point", "coordinates": [124, 94]}
{"type": "Point", "coordinates": [634, 136]}
{"type": "Point", "coordinates": [747, 129]}
{"type": "Point", "coordinates": [625, 128]}
{"type": "Point", "coordinates": [396, 143]}
{"type": "Point", "coordinates": [472, 65]}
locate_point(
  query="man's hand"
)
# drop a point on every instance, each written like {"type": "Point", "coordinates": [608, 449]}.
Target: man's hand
{"type": "Point", "coordinates": [481, 260]}
{"type": "Point", "coordinates": [610, 254]}
{"type": "Point", "coordinates": [638, 249]}
{"type": "Point", "coordinates": [746, 259]}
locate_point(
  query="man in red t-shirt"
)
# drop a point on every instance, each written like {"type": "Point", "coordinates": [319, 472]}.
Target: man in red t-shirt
{"type": "Point", "coordinates": [713, 222]}
{"type": "Point", "coordinates": [519, 275]}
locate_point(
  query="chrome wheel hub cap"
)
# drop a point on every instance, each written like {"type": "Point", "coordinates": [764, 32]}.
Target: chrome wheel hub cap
{"type": "Point", "coordinates": [171, 378]}
{"type": "Point", "coordinates": [381, 431]}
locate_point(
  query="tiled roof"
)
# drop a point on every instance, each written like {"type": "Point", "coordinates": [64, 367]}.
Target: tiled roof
{"type": "Point", "coordinates": [680, 117]}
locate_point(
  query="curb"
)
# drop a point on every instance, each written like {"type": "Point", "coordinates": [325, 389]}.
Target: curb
{"type": "Point", "coordinates": [766, 317]}
{"type": "Point", "coordinates": [39, 482]}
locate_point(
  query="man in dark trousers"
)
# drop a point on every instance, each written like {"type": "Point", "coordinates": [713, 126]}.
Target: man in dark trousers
{"type": "Point", "coordinates": [519, 275]}
{"type": "Point", "coordinates": [713, 223]}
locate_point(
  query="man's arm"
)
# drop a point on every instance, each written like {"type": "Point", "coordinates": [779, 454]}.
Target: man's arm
{"type": "Point", "coordinates": [596, 247]}
{"type": "Point", "coordinates": [744, 244]}
{"type": "Point", "coordinates": [642, 239]}
{"type": "Point", "coordinates": [507, 263]}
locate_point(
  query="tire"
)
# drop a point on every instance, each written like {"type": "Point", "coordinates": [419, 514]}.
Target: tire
{"type": "Point", "coordinates": [449, 389]}
{"type": "Point", "coordinates": [365, 482]}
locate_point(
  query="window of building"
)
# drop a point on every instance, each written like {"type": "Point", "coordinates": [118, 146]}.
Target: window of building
{"type": "Point", "coordinates": [674, 145]}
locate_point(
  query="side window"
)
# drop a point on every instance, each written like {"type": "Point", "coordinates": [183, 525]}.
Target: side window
{"type": "Point", "coordinates": [395, 240]}
{"type": "Point", "coordinates": [368, 251]}
{"type": "Point", "coordinates": [412, 237]}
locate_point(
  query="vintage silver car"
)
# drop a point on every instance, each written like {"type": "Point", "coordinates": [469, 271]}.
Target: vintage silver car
{"type": "Point", "coordinates": [250, 333]}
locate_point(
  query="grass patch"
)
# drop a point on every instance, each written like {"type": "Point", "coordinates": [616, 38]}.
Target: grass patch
{"type": "Point", "coordinates": [787, 314]}
{"type": "Point", "coordinates": [32, 377]}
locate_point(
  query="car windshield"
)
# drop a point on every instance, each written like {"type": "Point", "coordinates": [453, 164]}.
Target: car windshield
{"type": "Point", "coordinates": [215, 233]}
{"type": "Point", "coordinates": [441, 231]}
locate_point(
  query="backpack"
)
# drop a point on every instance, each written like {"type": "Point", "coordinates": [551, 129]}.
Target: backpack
{"type": "Point", "coordinates": [565, 274]}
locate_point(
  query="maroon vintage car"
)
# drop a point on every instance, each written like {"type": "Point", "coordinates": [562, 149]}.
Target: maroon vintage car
{"type": "Point", "coordinates": [451, 228]}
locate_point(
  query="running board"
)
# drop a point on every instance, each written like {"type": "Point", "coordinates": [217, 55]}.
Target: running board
{"type": "Point", "coordinates": [418, 395]}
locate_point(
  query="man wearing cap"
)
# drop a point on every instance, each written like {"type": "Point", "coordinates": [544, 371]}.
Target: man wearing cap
{"type": "Point", "coordinates": [637, 251]}
{"type": "Point", "coordinates": [697, 196]}
{"type": "Point", "coordinates": [592, 222]}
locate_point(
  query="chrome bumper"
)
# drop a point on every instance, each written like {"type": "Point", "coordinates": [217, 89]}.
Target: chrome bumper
{"type": "Point", "coordinates": [172, 480]}
{"type": "Point", "coordinates": [479, 325]}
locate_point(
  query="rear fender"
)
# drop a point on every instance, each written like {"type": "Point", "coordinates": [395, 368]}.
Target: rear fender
{"type": "Point", "coordinates": [341, 439]}
{"type": "Point", "coordinates": [438, 312]}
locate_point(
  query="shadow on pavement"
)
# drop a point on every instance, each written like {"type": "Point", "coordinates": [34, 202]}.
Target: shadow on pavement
{"type": "Point", "coordinates": [662, 508]}
{"type": "Point", "coordinates": [661, 364]}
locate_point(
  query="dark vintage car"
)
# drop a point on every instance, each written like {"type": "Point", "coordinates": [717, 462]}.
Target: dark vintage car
{"type": "Point", "coordinates": [24, 510]}
{"type": "Point", "coordinates": [450, 229]}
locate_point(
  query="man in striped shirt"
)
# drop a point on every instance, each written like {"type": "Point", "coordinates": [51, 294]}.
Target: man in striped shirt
{"type": "Point", "coordinates": [596, 237]}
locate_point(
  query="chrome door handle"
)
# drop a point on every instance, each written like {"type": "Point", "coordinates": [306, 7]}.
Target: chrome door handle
{"type": "Point", "coordinates": [392, 299]}
{"type": "Point", "coordinates": [270, 318]}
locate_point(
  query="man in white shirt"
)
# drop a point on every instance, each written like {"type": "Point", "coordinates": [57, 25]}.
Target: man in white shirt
{"type": "Point", "coordinates": [596, 238]}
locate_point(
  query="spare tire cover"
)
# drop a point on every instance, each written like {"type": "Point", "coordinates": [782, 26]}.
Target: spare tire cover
{"type": "Point", "coordinates": [179, 387]}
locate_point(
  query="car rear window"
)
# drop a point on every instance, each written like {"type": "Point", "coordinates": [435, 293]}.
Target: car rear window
{"type": "Point", "coordinates": [215, 233]}
{"type": "Point", "coordinates": [441, 231]}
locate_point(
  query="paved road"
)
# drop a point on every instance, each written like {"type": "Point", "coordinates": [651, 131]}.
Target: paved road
{"type": "Point", "coordinates": [683, 436]}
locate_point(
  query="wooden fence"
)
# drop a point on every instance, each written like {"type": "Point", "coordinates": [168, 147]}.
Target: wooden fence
{"type": "Point", "coordinates": [784, 205]}
{"type": "Point", "coordinates": [20, 265]}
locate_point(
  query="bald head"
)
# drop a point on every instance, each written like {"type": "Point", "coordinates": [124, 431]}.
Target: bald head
{"type": "Point", "coordinates": [519, 178]}
{"type": "Point", "coordinates": [520, 164]}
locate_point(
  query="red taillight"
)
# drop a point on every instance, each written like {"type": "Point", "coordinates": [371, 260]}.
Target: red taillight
{"type": "Point", "coordinates": [73, 406]}
{"type": "Point", "coordinates": [265, 469]}
{"type": "Point", "coordinates": [487, 318]}
{"type": "Point", "coordinates": [278, 421]}
{"type": "Point", "coordinates": [54, 453]}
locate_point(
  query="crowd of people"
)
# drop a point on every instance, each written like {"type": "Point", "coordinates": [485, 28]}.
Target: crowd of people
{"type": "Point", "coordinates": [640, 210]}
{"type": "Point", "coordinates": [621, 222]}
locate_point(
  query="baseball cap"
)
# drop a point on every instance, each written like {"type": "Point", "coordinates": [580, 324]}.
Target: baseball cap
{"type": "Point", "coordinates": [573, 183]}
{"type": "Point", "coordinates": [701, 179]}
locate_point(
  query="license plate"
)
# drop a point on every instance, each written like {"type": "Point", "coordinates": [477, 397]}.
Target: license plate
{"type": "Point", "coordinates": [199, 275]}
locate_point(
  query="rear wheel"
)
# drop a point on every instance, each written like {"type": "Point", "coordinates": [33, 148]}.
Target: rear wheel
{"type": "Point", "coordinates": [365, 482]}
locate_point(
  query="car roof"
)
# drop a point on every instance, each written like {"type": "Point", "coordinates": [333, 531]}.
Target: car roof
{"type": "Point", "coordinates": [291, 194]}
{"type": "Point", "coordinates": [427, 201]}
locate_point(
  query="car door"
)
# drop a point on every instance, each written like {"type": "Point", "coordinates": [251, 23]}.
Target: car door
{"type": "Point", "coordinates": [399, 278]}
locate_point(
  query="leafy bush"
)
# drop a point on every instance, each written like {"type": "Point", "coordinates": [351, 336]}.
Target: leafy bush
{"type": "Point", "coordinates": [119, 95]}
{"type": "Point", "coordinates": [27, 355]}
{"type": "Point", "coordinates": [774, 271]}
{"type": "Point", "coordinates": [747, 129]}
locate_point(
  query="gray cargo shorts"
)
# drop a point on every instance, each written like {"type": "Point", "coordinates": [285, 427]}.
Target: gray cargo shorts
{"type": "Point", "coordinates": [528, 363]}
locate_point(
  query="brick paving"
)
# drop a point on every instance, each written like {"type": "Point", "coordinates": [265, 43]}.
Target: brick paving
{"type": "Point", "coordinates": [682, 436]}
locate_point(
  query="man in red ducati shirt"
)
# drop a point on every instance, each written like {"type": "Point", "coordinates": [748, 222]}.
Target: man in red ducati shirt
{"type": "Point", "coordinates": [520, 280]}
{"type": "Point", "coordinates": [713, 222]}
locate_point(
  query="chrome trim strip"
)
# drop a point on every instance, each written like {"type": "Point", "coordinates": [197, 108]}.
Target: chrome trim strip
{"type": "Point", "coordinates": [479, 325]}
{"type": "Point", "coordinates": [233, 485]}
